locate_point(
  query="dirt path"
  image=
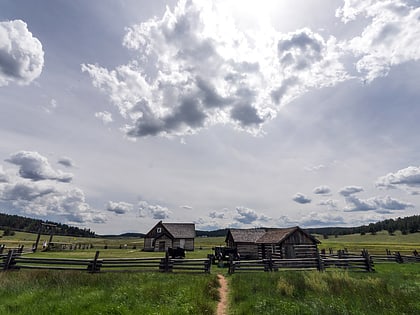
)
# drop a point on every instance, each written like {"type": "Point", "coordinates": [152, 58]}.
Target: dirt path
{"type": "Point", "coordinates": [223, 291]}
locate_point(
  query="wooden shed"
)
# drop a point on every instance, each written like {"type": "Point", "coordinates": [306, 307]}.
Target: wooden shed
{"type": "Point", "coordinates": [275, 242]}
{"type": "Point", "coordinates": [165, 235]}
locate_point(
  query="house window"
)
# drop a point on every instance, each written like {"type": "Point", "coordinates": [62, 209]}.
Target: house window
{"type": "Point", "coordinates": [159, 230]}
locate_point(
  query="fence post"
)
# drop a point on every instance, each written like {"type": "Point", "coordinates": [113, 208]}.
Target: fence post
{"type": "Point", "coordinates": [368, 259]}
{"type": "Point", "coordinates": [94, 266]}
{"type": "Point", "coordinates": [9, 261]}
{"type": "Point", "coordinates": [320, 266]}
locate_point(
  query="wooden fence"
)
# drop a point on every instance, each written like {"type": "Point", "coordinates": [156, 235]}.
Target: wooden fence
{"type": "Point", "coordinates": [15, 261]}
{"type": "Point", "coordinates": [321, 262]}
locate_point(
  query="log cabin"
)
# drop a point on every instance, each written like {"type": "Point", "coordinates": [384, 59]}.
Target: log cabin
{"type": "Point", "coordinates": [170, 235]}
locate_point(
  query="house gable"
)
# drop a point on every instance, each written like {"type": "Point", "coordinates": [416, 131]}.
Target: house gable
{"type": "Point", "coordinates": [165, 235]}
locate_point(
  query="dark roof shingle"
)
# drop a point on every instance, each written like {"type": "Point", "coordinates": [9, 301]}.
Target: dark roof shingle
{"type": "Point", "coordinates": [180, 230]}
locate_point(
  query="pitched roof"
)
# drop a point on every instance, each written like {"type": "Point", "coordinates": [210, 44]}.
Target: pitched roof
{"type": "Point", "coordinates": [265, 235]}
{"type": "Point", "coordinates": [180, 230]}
{"type": "Point", "coordinates": [246, 235]}
{"type": "Point", "coordinates": [276, 236]}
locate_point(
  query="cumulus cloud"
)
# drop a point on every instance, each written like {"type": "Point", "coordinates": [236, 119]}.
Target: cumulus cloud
{"type": "Point", "coordinates": [249, 216]}
{"type": "Point", "coordinates": [322, 190]}
{"type": "Point", "coordinates": [409, 176]}
{"type": "Point", "coordinates": [314, 219]}
{"type": "Point", "coordinates": [3, 177]}
{"type": "Point", "coordinates": [104, 116]}
{"type": "Point", "coordinates": [156, 212]}
{"type": "Point", "coordinates": [48, 199]}
{"type": "Point", "coordinates": [66, 161]}
{"type": "Point", "coordinates": [21, 54]}
{"type": "Point", "coordinates": [301, 198]}
{"type": "Point", "coordinates": [350, 190]}
{"type": "Point", "coordinates": [36, 167]}
{"type": "Point", "coordinates": [392, 36]}
{"type": "Point", "coordinates": [206, 72]}
{"type": "Point", "coordinates": [217, 215]}
{"type": "Point", "coordinates": [119, 207]}
{"type": "Point", "coordinates": [379, 204]}
{"type": "Point", "coordinates": [40, 191]}
{"type": "Point", "coordinates": [329, 203]}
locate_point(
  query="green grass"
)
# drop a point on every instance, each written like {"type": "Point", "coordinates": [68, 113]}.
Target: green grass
{"type": "Point", "coordinates": [393, 289]}
{"type": "Point", "coordinates": [375, 244]}
{"type": "Point", "coordinates": [52, 292]}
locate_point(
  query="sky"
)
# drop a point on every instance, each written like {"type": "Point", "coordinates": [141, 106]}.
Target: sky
{"type": "Point", "coordinates": [116, 114]}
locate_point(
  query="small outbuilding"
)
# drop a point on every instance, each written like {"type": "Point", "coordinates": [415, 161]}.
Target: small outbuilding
{"type": "Point", "coordinates": [170, 235]}
{"type": "Point", "coordinates": [272, 242]}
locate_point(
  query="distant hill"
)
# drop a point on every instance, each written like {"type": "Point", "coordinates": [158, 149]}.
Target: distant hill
{"type": "Point", "coordinates": [405, 225]}
{"type": "Point", "coordinates": [24, 224]}
{"type": "Point", "coordinates": [135, 235]}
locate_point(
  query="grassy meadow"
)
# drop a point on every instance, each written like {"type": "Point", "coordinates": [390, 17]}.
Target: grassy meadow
{"type": "Point", "coordinates": [392, 289]}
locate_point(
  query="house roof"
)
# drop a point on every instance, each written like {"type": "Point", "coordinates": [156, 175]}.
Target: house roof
{"type": "Point", "coordinates": [276, 236]}
{"type": "Point", "coordinates": [180, 230]}
{"type": "Point", "coordinates": [265, 236]}
{"type": "Point", "coordinates": [246, 235]}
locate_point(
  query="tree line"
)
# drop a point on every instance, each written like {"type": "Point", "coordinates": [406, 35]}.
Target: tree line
{"type": "Point", "coordinates": [406, 225]}
{"type": "Point", "coordinates": [12, 222]}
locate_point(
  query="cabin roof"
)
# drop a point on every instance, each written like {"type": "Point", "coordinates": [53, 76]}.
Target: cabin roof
{"type": "Point", "coordinates": [276, 236]}
{"type": "Point", "coordinates": [246, 235]}
{"type": "Point", "coordinates": [266, 235]}
{"type": "Point", "coordinates": [180, 230]}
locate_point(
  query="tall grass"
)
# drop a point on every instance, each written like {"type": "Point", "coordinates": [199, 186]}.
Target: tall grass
{"type": "Point", "coordinates": [49, 292]}
{"type": "Point", "coordinates": [391, 290]}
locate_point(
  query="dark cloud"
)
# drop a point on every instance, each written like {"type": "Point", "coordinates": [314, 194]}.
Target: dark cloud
{"type": "Point", "coordinates": [36, 167]}
{"type": "Point", "coordinates": [187, 116]}
{"type": "Point", "coordinates": [21, 54]}
{"type": "Point", "coordinates": [246, 115]}
{"type": "Point", "coordinates": [66, 161]}
{"type": "Point", "coordinates": [300, 50]}
{"type": "Point", "coordinates": [301, 198]}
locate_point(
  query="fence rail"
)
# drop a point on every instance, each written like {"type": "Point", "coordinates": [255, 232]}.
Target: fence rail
{"type": "Point", "coordinates": [14, 261]}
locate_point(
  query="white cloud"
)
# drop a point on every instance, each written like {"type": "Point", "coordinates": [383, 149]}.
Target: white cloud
{"type": "Point", "coordinates": [313, 219]}
{"type": "Point", "coordinates": [217, 215]}
{"type": "Point", "coordinates": [40, 191]}
{"type": "Point", "coordinates": [409, 176]}
{"type": "Point", "coordinates": [322, 190]}
{"type": "Point", "coordinates": [156, 212]}
{"type": "Point", "coordinates": [301, 198]}
{"type": "Point", "coordinates": [379, 204]}
{"type": "Point", "coordinates": [119, 207]}
{"type": "Point", "coordinates": [3, 177]}
{"type": "Point", "coordinates": [208, 72]}
{"type": "Point", "coordinates": [34, 166]}
{"type": "Point", "coordinates": [104, 116]}
{"type": "Point", "coordinates": [47, 200]}
{"type": "Point", "coordinates": [21, 54]}
{"type": "Point", "coordinates": [392, 37]}
{"type": "Point", "coordinates": [350, 190]}
{"type": "Point", "coordinates": [329, 203]}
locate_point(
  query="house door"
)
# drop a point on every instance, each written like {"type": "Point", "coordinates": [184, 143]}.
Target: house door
{"type": "Point", "coordinates": [182, 243]}
{"type": "Point", "coordinates": [161, 246]}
